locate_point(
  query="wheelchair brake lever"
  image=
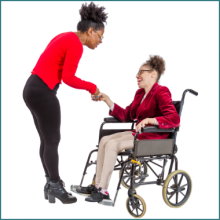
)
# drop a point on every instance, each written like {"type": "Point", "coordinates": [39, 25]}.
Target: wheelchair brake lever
{"type": "Point", "coordinates": [137, 162]}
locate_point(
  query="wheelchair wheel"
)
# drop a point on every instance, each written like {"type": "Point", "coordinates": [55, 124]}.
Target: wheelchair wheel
{"type": "Point", "coordinates": [177, 188]}
{"type": "Point", "coordinates": [140, 206]}
{"type": "Point", "coordinates": [137, 172]}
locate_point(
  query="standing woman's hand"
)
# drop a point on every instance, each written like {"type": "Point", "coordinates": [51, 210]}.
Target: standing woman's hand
{"type": "Point", "coordinates": [95, 95]}
{"type": "Point", "coordinates": [94, 98]}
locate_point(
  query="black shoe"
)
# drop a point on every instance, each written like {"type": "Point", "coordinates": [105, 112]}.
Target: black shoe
{"type": "Point", "coordinates": [58, 191]}
{"type": "Point", "coordinates": [97, 197]}
{"type": "Point", "coordinates": [46, 188]}
{"type": "Point", "coordinates": [87, 190]}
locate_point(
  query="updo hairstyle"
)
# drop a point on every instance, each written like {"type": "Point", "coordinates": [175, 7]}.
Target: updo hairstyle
{"type": "Point", "coordinates": [91, 16]}
{"type": "Point", "coordinates": [156, 63]}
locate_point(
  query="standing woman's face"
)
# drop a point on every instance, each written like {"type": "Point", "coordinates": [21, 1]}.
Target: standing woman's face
{"type": "Point", "coordinates": [94, 38]}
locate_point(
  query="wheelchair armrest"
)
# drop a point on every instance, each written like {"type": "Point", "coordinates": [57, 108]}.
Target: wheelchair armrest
{"type": "Point", "coordinates": [153, 129]}
{"type": "Point", "coordinates": [112, 119]}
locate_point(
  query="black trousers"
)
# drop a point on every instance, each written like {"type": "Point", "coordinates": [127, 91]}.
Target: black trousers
{"type": "Point", "coordinates": [45, 109]}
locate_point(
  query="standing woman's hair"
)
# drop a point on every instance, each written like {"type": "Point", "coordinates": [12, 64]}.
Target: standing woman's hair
{"type": "Point", "coordinates": [156, 63]}
{"type": "Point", "coordinates": [91, 16]}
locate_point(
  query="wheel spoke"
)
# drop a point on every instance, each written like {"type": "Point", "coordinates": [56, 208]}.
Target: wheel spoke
{"type": "Point", "coordinates": [127, 169]}
{"type": "Point", "coordinates": [138, 170]}
{"type": "Point", "coordinates": [140, 207]}
{"type": "Point", "coordinates": [171, 195]}
{"type": "Point", "coordinates": [172, 187]}
{"type": "Point", "coordinates": [183, 187]}
{"type": "Point", "coordinates": [126, 179]}
{"type": "Point", "coordinates": [182, 194]}
{"type": "Point", "coordinates": [135, 209]}
{"type": "Point", "coordinates": [180, 180]}
{"type": "Point", "coordinates": [176, 180]}
{"type": "Point", "coordinates": [139, 210]}
{"type": "Point", "coordinates": [139, 204]}
{"type": "Point", "coordinates": [170, 192]}
{"type": "Point", "coordinates": [176, 197]}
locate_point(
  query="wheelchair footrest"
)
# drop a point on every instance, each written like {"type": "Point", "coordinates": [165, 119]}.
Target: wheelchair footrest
{"type": "Point", "coordinates": [107, 202]}
{"type": "Point", "coordinates": [73, 189]}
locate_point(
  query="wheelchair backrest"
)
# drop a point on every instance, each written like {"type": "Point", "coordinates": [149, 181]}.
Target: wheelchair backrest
{"type": "Point", "coordinates": [177, 105]}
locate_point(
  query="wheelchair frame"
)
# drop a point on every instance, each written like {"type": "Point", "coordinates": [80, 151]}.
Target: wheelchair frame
{"type": "Point", "coordinates": [144, 159]}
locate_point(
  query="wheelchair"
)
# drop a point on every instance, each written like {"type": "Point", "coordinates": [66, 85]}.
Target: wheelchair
{"type": "Point", "coordinates": [133, 165]}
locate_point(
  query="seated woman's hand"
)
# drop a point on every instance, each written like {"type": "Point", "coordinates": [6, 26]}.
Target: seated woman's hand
{"type": "Point", "coordinates": [142, 124]}
{"type": "Point", "coordinates": [103, 97]}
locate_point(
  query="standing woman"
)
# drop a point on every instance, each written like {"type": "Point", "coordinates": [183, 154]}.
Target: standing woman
{"type": "Point", "coordinates": [58, 62]}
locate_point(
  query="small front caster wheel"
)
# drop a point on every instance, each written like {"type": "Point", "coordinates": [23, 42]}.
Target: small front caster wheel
{"type": "Point", "coordinates": [139, 208]}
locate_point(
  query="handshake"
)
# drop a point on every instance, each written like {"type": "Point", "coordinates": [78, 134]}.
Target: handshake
{"type": "Point", "coordinates": [99, 96]}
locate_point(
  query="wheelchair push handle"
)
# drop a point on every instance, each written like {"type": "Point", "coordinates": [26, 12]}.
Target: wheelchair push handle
{"type": "Point", "coordinates": [193, 92]}
{"type": "Point", "coordinates": [190, 91]}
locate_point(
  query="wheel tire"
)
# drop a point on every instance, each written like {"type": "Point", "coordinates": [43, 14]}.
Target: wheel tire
{"type": "Point", "coordinates": [127, 186]}
{"type": "Point", "coordinates": [165, 191]}
{"type": "Point", "coordinates": [138, 200]}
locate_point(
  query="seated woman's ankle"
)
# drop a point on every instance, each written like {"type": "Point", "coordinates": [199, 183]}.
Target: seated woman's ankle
{"type": "Point", "coordinates": [104, 191]}
{"type": "Point", "coordinates": [97, 185]}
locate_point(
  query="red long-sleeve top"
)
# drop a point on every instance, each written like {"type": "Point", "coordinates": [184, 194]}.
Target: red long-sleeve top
{"type": "Point", "coordinates": [60, 61]}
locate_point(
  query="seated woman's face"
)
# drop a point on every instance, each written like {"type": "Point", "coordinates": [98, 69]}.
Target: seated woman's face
{"type": "Point", "coordinates": [146, 75]}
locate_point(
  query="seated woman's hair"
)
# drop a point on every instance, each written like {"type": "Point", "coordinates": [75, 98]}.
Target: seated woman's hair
{"type": "Point", "coordinates": [91, 16]}
{"type": "Point", "coordinates": [156, 63]}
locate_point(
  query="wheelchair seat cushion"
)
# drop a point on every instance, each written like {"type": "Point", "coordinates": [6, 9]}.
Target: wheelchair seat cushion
{"type": "Point", "coordinates": [125, 152]}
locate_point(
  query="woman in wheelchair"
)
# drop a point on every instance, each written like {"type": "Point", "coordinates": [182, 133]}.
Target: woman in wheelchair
{"type": "Point", "coordinates": [152, 105]}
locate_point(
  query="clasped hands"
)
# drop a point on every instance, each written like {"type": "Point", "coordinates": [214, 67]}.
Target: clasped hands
{"type": "Point", "coordinates": [99, 96]}
{"type": "Point", "coordinates": [95, 96]}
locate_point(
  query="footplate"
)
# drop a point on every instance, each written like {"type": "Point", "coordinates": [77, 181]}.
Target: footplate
{"type": "Point", "coordinates": [73, 189]}
{"type": "Point", "coordinates": [107, 202]}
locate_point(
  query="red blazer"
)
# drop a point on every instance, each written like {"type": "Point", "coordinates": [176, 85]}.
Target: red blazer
{"type": "Point", "coordinates": [157, 104]}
